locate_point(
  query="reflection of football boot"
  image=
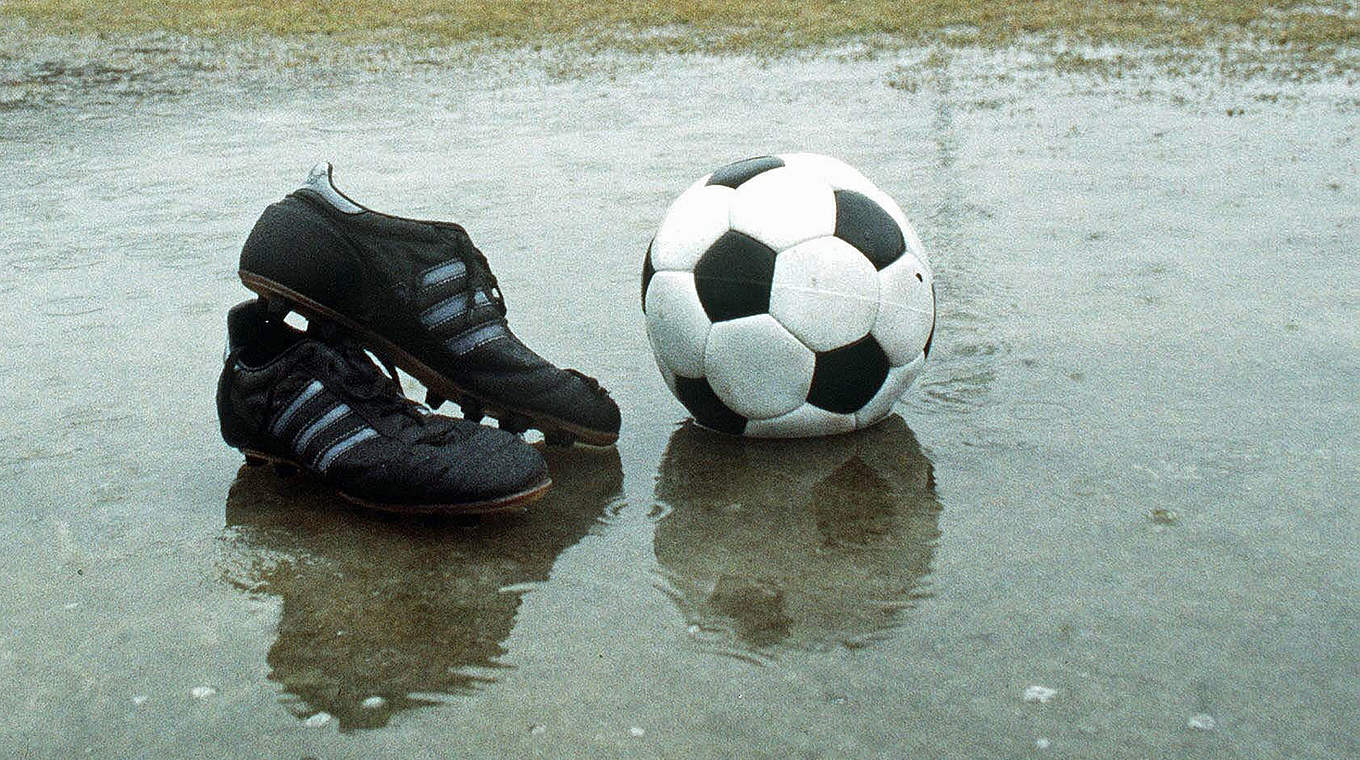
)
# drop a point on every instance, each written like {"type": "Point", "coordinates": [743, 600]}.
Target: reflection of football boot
{"type": "Point", "coordinates": [379, 616]}
{"type": "Point", "coordinates": [324, 407]}
{"type": "Point", "coordinates": [802, 543]}
{"type": "Point", "coordinates": [421, 295]}
{"type": "Point", "coordinates": [586, 481]}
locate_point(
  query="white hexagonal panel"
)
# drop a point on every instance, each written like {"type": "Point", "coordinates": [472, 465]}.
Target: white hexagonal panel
{"type": "Point", "coordinates": [784, 207]}
{"type": "Point", "coordinates": [825, 292]}
{"type": "Point", "coordinates": [667, 374]}
{"type": "Point", "coordinates": [696, 218]}
{"type": "Point", "coordinates": [906, 309]}
{"type": "Point", "coordinates": [896, 383]}
{"type": "Point", "coordinates": [836, 173]}
{"type": "Point", "coordinates": [805, 421]}
{"type": "Point", "coordinates": [914, 245]}
{"type": "Point", "coordinates": [757, 367]}
{"type": "Point", "coordinates": [677, 323]}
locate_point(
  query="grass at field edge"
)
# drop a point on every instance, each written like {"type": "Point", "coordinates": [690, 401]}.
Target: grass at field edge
{"type": "Point", "coordinates": [1319, 28]}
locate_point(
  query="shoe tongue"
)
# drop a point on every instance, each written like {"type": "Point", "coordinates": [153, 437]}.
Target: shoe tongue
{"type": "Point", "coordinates": [245, 324]}
{"type": "Point", "coordinates": [255, 338]}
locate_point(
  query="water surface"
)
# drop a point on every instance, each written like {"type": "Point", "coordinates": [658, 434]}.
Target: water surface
{"type": "Point", "coordinates": [1128, 473]}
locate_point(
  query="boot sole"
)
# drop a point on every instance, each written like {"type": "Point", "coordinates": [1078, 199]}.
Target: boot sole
{"type": "Point", "coordinates": [554, 429]}
{"type": "Point", "coordinates": [515, 502]}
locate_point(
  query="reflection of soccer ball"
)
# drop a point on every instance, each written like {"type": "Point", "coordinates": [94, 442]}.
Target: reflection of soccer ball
{"type": "Point", "coordinates": [801, 543]}
{"type": "Point", "coordinates": [787, 296]}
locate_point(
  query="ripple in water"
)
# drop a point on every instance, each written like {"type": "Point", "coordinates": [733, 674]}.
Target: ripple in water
{"type": "Point", "coordinates": [71, 306]}
{"type": "Point", "coordinates": [962, 393]}
{"type": "Point", "coordinates": [15, 453]}
{"type": "Point", "coordinates": [54, 262]}
{"type": "Point", "coordinates": [358, 127]}
{"type": "Point", "coordinates": [180, 262]}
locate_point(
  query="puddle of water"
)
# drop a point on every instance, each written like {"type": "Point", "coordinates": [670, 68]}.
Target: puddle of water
{"type": "Point", "coordinates": [1146, 308]}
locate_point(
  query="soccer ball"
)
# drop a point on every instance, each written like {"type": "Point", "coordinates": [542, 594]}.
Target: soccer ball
{"type": "Point", "coordinates": [787, 296]}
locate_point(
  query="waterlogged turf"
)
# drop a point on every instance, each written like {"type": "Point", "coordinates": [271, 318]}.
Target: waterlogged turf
{"type": "Point", "coordinates": [749, 25]}
{"type": "Point", "coordinates": [1115, 518]}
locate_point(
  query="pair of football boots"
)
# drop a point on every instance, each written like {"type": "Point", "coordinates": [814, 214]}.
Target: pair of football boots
{"type": "Point", "coordinates": [419, 296]}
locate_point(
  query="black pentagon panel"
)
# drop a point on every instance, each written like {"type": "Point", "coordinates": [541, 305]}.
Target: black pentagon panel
{"type": "Point", "coordinates": [861, 222]}
{"type": "Point", "coordinates": [733, 277]}
{"type": "Point", "coordinates": [647, 271]}
{"type": "Point", "coordinates": [708, 410]}
{"type": "Point", "coordinates": [846, 378]}
{"type": "Point", "coordinates": [734, 174]}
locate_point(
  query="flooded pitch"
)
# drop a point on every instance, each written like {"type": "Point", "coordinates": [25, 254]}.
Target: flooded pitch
{"type": "Point", "coordinates": [1117, 516]}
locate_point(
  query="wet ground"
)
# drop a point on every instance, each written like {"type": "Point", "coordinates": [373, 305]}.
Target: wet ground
{"type": "Point", "coordinates": [1116, 517]}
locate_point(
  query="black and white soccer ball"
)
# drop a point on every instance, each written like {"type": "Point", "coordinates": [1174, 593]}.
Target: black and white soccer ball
{"type": "Point", "coordinates": [787, 296]}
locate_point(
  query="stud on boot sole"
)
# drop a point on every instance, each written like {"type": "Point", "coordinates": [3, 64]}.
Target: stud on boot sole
{"type": "Point", "coordinates": [515, 423]}
{"type": "Point", "coordinates": [472, 410]}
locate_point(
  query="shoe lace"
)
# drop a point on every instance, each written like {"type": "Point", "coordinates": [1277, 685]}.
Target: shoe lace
{"type": "Point", "coordinates": [486, 280]}
{"type": "Point", "coordinates": [381, 393]}
{"type": "Point", "coordinates": [492, 287]}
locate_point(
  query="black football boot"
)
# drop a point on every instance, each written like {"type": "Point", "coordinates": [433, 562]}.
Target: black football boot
{"type": "Point", "coordinates": [418, 294]}
{"type": "Point", "coordinates": [323, 406]}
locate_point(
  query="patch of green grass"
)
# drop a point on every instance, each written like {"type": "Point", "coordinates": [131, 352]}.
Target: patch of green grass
{"type": "Point", "coordinates": [717, 25]}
